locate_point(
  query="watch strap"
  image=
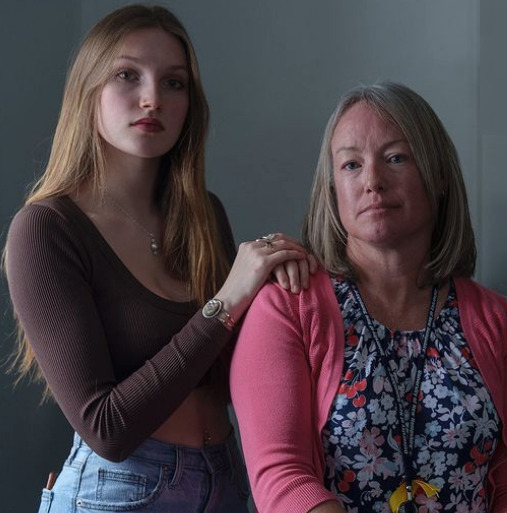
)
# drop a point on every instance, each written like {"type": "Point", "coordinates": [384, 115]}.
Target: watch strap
{"type": "Point", "coordinates": [214, 308]}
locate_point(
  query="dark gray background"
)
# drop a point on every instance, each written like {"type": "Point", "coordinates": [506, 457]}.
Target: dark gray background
{"type": "Point", "coordinates": [272, 70]}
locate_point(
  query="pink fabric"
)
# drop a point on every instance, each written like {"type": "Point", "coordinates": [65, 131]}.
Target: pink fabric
{"type": "Point", "coordinates": [286, 371]}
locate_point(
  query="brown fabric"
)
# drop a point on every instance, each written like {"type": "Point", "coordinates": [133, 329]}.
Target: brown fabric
{"type": "Point", "coordinates": [118, 358]}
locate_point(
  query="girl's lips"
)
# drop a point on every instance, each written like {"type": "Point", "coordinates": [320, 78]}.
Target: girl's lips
{"type": "Point", "coordinates": [148, 125]}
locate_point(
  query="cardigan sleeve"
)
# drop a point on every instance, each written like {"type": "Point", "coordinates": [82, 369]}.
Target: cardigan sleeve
{"type": "Point", "coordinates": [483, 315]}
{"type": "Point", "coordinates": [498, 480]}
{"type": "Point", "coordinates": [49, 277]}
{"type": "Point", "coordinates": [272, 390]}
{"type": "Point", "coordinates": [498, 465]}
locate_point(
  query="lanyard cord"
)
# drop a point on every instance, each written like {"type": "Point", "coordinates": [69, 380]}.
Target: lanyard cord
{"type": "Point", "coordinates": [407, 437]}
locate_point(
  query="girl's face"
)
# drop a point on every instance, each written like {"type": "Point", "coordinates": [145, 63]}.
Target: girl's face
{"type": "Point", "coordinates": [144, 104]}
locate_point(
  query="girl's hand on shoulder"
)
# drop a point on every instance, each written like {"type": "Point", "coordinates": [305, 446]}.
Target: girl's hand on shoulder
{"type": "Point", "coordinates": [294, 275]}
{"type": "Point", "coordinates": [276, 253]}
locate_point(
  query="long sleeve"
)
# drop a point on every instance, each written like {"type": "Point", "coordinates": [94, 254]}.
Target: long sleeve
{"type": "Point", "coordinates": [54, 287]}
{"type": "Point", "coordinates": [498, 479]}
{"type": "Point", "coordinates": [280, 376]}
{"type": "Point", "coordinates": [484, 318]}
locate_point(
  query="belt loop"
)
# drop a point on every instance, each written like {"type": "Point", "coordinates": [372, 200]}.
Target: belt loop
{"type": "Point", "coordinates": [77, 442]}
{"type": "Point", "coordinates": [209, 462]}
{"type": "Point", "coordinates": [179, 453]}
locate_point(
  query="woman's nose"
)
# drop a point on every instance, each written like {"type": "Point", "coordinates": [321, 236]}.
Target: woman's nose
{"type": "Point", "coordinates": [375, 179]}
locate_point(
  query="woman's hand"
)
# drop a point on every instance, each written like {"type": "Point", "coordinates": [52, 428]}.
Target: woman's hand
{"type": "Point", "coordinates": [254, 263]}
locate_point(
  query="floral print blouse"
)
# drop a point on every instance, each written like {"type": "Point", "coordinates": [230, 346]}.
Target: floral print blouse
{"type": "Point", "coordinates": [457, 427]}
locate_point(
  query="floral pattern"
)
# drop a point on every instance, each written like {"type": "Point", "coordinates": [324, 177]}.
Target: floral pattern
{"type": "Point", "coordinates": [457, 427]}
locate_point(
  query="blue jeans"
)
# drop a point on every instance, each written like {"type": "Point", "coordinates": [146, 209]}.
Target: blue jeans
{"type": "Point", "coordinates": [156, 478]}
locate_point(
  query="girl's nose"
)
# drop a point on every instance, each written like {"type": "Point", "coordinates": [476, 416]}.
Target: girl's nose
{"type": "Point", "coordinates": [150, 98]}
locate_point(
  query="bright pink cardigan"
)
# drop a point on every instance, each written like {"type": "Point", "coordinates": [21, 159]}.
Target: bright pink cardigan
{"type": "Point", "coordinates": [286, 371]}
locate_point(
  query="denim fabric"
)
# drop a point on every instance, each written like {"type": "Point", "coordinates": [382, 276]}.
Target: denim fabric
{"type": "Point", "coordinates": [156, 478]}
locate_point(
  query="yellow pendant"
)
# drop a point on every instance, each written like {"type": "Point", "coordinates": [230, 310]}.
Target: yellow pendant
{"type": "Point", "coordinates": [400, 495]}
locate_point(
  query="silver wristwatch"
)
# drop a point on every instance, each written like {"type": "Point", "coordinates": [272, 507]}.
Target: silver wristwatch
{"type": "Point", "coordinates": [214, 308]}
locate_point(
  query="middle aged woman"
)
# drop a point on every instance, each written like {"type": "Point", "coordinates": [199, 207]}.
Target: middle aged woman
{"type": "Point", "coordinates": [383, 386]}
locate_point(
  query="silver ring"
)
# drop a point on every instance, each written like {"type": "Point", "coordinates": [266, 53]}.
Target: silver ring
{"type": "Point", "coordinates": [268, 241]}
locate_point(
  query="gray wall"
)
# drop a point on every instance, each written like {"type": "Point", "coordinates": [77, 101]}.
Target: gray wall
{"type": "Point", "coordinates": [273, 70]}
{"type": "Point", "coordinates": [35, 40]}
{"type": "Point", "coordinates": [492, 141]}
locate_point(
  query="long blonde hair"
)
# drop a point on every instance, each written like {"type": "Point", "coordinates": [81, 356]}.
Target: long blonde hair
{"type": "Point", "coordinates": [193, 247]}
{"type": "Point", "coordinates": [453, 251]}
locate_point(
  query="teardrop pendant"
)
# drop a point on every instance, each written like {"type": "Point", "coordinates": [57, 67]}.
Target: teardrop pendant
{"type": "Point", "coordinates": [154, 246]}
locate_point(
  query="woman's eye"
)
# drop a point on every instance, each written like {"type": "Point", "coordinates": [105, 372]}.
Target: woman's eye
{"type": "Point", "coordinates": [397, 159]}
{"type": "Point", "coordinates": [350, 166]}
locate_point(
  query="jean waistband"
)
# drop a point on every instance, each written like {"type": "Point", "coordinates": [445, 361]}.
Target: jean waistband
{"type": "Point", "coordinates": [213, 458]}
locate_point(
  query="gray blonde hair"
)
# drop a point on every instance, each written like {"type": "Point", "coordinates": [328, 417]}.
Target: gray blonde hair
{"type": "Point", "coordinates": [453, 251]}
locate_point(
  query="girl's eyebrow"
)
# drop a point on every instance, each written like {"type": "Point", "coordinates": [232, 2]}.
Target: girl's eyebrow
{"type": "Point", "coordinates": [137, 59]}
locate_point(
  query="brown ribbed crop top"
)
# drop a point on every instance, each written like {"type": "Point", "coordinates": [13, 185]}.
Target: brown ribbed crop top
{"type": "Point", "coordinates": [118, 358]}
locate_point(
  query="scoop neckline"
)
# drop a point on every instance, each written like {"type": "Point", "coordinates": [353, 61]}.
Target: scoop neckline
{"type": "Point", "coordinates": [437, 321]}
{"type": "Point", "coordinates": [84, 222]}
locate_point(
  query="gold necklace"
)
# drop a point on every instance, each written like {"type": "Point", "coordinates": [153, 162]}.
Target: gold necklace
{"type": "Point", "coordinates": [154, 243]}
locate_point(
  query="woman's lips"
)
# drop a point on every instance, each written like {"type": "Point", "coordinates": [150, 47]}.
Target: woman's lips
{"type": "Point", "coordinates": [377, 208]}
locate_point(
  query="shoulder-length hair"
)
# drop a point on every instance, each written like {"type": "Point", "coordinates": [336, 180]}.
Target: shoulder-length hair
{"type": "Point", "coordinates": [453, 251]}
{"type": "Point", "coordinates": [193, 246]}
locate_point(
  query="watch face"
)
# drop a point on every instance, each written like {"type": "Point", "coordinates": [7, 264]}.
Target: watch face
{"type": "Point", "coordinates": [212, 308]}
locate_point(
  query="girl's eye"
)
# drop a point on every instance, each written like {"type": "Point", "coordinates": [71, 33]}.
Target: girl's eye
{"type": "Point", "coordinates": [174, 83]}
{"type": "Point", "coordinates": [350, 166]}
{"type": "Point", "coordinates": [125, 75]}
{"type": "Point", "coordinates": [397, 159]}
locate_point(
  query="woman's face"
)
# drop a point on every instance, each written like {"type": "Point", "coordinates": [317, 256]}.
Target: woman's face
{"type": "Point", "coordinates": [381, 197]}
{"type": "Point", "coordinates": [144, 104]}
